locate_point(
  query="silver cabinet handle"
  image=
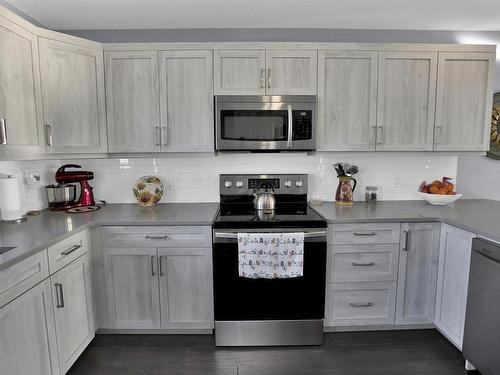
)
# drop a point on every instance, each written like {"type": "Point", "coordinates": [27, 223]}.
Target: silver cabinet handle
{"type": "Point", "coordinates": [59, 296]}
{"type": "Point", "coordinates": [268, 78]}
{"type": "Point", "coordinates": [3, 132]}
{"type": "Point", "coordinates": [368, 304]}
{"type": "Point", "coordinates": [161, 266]}
{"type": "Point", "coordinates": [71, 249]}
{"type": "Point", "coordinates": [365, 234]}
{"type": "Point", "coordinates": [165, 136]}
{"type": "Point", "coordinates": [48, 134]}
{"type": "Point", "coordinates": [158, 136]}
{"type": "Point", "coordinates": [153, 261]}
{"type": "Point", "coordinates": [262, 78]}
{"type": "Point", "coordinates": [438, 135]}
{"type": "Point", "coordinates": [374, 130]}
{"type": "Point", "coordinates": [380, 136]}
{"type": "Point", "coordinates": [407, 236]}
{"type": "Point", "coordinates": [290, 126]}
{"type": "Point", "coordinates": [369, 264]}
{"type": "Point", "coordinates": [156, 237]}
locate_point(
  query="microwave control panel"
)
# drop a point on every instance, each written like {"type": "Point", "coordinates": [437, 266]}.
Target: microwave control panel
{"type": "Point", "coordinates": [302, 125]}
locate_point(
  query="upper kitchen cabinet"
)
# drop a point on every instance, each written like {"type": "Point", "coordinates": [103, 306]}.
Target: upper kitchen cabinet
{"type": "Point", "coordinates": [72, 79]}
{"type": "Point", "coordinates": [20, 119]}
{"type": "Point", "coordinates": [239, 72]}
{"type": "Point", "coordinates": [132, 101]}
{"type": "Point", "coordinates": [347, 100]}
{"type": "Point", "coordinates": [291, 72]}
{"type": "Point", "coordinates": [186, 101]}
{"type": "Point", "coordinates": [406, 101]}
{"type": "Point", "coordinates": [464, 100]}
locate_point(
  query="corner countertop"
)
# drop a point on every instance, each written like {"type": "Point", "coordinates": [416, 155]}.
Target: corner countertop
{"type": "Point", "coordinates": [40, 232]}
{"type": "Point", "coordinates": [479, 216]}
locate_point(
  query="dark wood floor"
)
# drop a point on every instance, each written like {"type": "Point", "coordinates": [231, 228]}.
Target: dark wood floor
{"type": "Point", "coordinates": [423, 352]}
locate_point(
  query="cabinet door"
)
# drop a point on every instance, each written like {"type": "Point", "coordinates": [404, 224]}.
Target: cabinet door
{"type": "Point", "coordinates": [347, 101]}
{"type": "Point", "coordinates": [132, 101]}
{"type": "Point", "coordinates": [19, 88]}
{"type": "Point", "coordinates": [239, 72]}
{"type": "Point", "coordinates": [186, 101]}
{"type": "Point", "coordinates": [418, 262]}
{"type": "Point", "coordinates": [186, 294]}
{"type": "Point", "coordinates": [406, 96]}
{"type": "Point", "coordinates": [27, 334]}
{"type": "Point", "coordinates": [131, 278]}
{"type": "Point", "coordinates": [453, 281]}
{"type": "Point", "coordinates": [291, 72]}
{"type": "Point", "coordinates": [73, 309]}
{"type": "Point", "coordinates": [464, 101]}
{"type": "Point", "coordinates": [72, 80]}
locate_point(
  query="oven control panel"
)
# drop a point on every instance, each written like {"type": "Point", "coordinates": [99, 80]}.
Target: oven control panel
{"type": "Point", "coordinates": [233, 184]}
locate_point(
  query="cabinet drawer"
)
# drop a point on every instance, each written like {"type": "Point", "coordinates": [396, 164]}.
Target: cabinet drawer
{"type": "Point", "coordinates": [22, 276]}
{"type": "Point", "coordinates": [360, 303]}
{"type": "Point", "coordinates": [157, 236]}
{"type": "Point", "coordinates": [346, 234]}
{"type": "Point", "coordinates": [67, 251]}
{"type": "Point", "coordinates": [347, 263]}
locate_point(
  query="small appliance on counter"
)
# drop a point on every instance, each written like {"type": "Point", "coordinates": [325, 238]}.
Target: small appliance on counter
{"type": "Point", "coordinates": [62, 197]}
{"type": "Point", "coordinates": [10, 200]}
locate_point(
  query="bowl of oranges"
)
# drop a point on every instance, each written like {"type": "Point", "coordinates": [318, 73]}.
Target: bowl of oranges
{"type": "Point", "coordinates": [439, 192]}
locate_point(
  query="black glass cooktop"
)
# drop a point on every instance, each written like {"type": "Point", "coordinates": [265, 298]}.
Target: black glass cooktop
{"type": "Point", "coordinates": [243, 215]}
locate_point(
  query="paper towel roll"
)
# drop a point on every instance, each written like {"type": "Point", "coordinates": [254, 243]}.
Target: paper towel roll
{"type": "Point", "coordinates": [10, 199]}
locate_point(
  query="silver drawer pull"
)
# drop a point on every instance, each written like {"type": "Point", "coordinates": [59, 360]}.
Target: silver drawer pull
{"type": "Point", "coordinates": [365, 233]}
{"type": "Point", "coordinates": [368, 304]}
{"type": "Point", "coordinates": [59, 296]}
{"type": "Point", "coordinates": [369, 264]}
{"type": "Point", "coordinates": [153, 262]}
{"type": "Point", "coordinates": [71, 249]}
{"type": "Point", "coordinates": [157, 237]}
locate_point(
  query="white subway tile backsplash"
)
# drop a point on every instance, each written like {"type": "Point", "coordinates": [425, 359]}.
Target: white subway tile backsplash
{"type": "Point", "coordinates": [195, 178]}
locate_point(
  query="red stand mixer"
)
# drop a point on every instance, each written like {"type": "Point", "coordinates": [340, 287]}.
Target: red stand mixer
{"type": "Point", "coordinates": [61, 197]}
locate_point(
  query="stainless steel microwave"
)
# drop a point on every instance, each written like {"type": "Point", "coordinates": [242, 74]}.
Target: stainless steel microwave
{"type": "Point", "coordinates": [260, 123]}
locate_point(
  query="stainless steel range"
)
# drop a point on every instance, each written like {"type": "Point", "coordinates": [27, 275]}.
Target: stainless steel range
{"type": "Point", "coordinates": [253, 312]}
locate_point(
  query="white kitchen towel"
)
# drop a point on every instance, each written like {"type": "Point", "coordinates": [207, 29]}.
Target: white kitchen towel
{"type": "Point", "coordinates": [271, 255]}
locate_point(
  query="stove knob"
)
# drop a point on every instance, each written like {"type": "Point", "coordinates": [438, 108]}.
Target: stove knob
{"type": "Point", "coordinates": [239, 184]}
{"type": "Point", "coordinates": [298, 183]}
{"type": "Point", "coordinates": [288, 183]}
{"type": "Point", "coordinates": [228, 184]}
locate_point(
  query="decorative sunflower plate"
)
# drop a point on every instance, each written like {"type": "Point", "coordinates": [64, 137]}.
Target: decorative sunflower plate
{"type": "Point", "coordinates": [148, 190]}
{"type": "Point", "coordinates": [495, 128]}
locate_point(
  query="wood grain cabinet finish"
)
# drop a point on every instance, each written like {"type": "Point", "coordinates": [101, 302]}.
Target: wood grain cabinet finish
{"type": "Point", "coordinates": [291, 72]}
{"type": "Point", "coordinates": [73, 310]}
{"type": "Point", "coordinates": [239, 72]}
{"type": "Point", "coordinates": [132, 101]}
{"type": "Point", "coordinates": [452, 284]}
{"type": "Point", "coordinates": [186, 288]}
{"type": "Point", "coordinates": [406, 101]}
{"type": "Point", "coordinates": [418, 262]}
{"type": "Point", "coordinates": [364, 234]}
{"type": "Point", "coordinates": [464, 101]}
{"type": "Point", "coordinates": [20, 99]}
{"type": "Point", "coordinates": [131, 284]}
{"type": "Point", "coordinates": [186, 101]}
{"type": "Point", "coordinates": [28, 342]}
{"type": "Point", "coordinates": [72, 80]}
{"type": "Point", "coordinates": [347, 100]}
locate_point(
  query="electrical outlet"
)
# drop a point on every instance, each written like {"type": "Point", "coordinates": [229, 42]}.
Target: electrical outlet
{"type": "Point", "coordinates": [396, 182]}
{"type": "Point", "coordinates": [32, 178]}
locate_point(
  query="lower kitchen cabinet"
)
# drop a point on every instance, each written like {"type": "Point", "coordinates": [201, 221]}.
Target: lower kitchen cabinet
{"type": "Point", "coordinates": [418, 261]}
{"type": "Point", "coordinates": [73, 310]}
{"type": "Point", "coordinates": [131, 284]}
{"type": "Point", "coordinates": [453, 280]}
{"type": "Point", "coordinates": [186, 288]}
{"type": "Point", "coordinates": [28, 342]}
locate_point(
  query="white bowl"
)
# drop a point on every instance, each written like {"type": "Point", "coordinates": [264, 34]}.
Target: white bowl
{"type": "Point", "coordinates": [439, 200]}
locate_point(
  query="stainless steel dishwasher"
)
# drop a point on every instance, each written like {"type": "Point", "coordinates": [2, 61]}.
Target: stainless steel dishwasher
{"type": "Point", "coordinates": [482, 320]}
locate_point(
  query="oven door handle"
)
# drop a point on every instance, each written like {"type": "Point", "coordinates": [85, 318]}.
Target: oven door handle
{"type": "Point", "coordinates": [234, 235]}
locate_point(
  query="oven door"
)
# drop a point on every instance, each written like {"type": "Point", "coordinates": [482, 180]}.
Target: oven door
{"type": "Point", "coordinates": [243, 299]}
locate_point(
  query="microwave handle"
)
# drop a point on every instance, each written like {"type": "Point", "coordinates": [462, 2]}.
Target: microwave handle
{"type": "Point", "coordinates": [290, 126]}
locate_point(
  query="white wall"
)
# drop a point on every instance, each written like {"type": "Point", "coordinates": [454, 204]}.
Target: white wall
{"type": "Point", "coordinates": [479, 177]}
{"type": "Point", "coordinates": [196, 178]}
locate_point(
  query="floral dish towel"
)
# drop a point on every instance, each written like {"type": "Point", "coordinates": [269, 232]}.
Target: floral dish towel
{"type": "Point", "coordinates": [271, 255]}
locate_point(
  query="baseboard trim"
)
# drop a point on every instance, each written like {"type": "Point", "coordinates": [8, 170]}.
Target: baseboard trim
{"type": "Point", "coordinates": [154, 331]}
{"type": "Point", "coordinates": [378, 328]}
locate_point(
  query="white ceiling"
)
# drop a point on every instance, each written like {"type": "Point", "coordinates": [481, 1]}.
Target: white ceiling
{"type": "Point", "coordinates": [334, 14]}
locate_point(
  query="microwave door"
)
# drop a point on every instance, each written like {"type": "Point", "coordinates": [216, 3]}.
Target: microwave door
{"type": "Point", "coordinates": [253, 126]}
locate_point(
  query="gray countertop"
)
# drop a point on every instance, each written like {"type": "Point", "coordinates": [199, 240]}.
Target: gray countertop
{"type": "Point", "coordinates": [39, 232]}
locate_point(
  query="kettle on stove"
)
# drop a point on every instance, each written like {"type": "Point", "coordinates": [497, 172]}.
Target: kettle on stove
{"type": "Point", "coordinates": [264, 200]}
